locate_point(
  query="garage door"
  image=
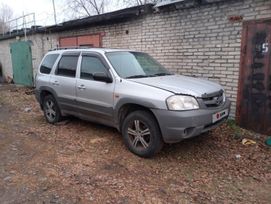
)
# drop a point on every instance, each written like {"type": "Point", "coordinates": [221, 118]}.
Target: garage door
{"type": "Point", "coordinates": [254, 104]}
{"type": "Point", "coordinates": [82, 40]}
{"type": "Point", "coordinates": [21, 57]}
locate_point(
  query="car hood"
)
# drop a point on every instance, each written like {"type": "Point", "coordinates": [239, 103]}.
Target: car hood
{"type": "Point", "coordinates": [179, 84]}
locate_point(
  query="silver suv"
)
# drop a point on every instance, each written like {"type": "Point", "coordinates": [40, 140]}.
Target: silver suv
{"type": "Point", "coordinates": [130, 91]}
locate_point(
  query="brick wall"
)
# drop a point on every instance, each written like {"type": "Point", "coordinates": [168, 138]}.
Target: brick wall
{"type": "Point", "coordinates": [198, 41]}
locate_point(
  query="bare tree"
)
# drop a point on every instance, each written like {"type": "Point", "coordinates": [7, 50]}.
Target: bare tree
{"type": "Point", "coordinates": [82, 8]}
{"type": "Point", "coordinates": [86, 7]}
{"type": "Point", "coordinates": [6, 14]}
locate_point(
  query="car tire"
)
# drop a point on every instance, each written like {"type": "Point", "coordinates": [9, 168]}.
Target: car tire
{"type": "Point", "coordinates": [51, 110]}
{"type": "Point", "coordinates": [141, 134]}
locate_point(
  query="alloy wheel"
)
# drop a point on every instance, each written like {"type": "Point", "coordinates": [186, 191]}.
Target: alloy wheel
{"type": "Point", "coordinates": [50, 110]}
{"type": "Point", "coordinates": [139, 134]}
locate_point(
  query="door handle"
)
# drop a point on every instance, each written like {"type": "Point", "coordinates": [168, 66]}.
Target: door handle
{"type": "Point", "coordinates": [56, 83]}
{"type": "Point", "coordinates": [81, 87]}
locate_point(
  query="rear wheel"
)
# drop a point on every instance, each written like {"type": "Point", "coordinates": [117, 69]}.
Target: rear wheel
{"type": "Point", "coordinates": [51, 110]}
{"type": "Point", "coordinates": [141, 134]}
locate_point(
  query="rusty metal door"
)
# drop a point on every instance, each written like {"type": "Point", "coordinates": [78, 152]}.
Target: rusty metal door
{"type": "Point", "coordinates": [93, 40]}
{"type": "Point", "coordinates": [254, 94]}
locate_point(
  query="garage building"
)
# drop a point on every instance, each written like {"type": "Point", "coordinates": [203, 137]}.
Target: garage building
{"type": "Point", "coordinates": [227, 41]}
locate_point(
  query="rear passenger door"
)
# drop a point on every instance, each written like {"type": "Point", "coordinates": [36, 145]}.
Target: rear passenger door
{"type": "Point", "coordinates": [63, 81]}
{"type": "Point", "coordinates": [94, 98]}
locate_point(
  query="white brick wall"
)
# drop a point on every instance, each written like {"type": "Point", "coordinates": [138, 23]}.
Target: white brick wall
{"type": "Point", "coordinates": [197, 41]}
{"type": "Point", "coordinates": [40, 45]}
{"type": "Point", "coordinates": [5, 58]}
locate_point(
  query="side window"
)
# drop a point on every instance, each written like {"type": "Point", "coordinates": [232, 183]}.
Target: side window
{"type": "Point", "coordinates": [67, 66]}
{"type": "Point", "coordinates": [48, 63]}
{"type": "Point", "coordinates": [89, 66]}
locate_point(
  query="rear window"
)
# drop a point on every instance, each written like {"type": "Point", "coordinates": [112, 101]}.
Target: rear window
{"type": "Point", "coordinates": [48, 63]}
{"type": "Point", "coordinates": [67, 66]}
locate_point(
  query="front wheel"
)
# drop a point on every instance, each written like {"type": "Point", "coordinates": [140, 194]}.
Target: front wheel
{"type": "Point", "coordinates": [51, 110]}
{"type": "Point", "coordinates": [141, 134]}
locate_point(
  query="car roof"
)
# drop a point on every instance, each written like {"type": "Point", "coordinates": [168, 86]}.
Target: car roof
{"type": "Point", "coordinates": [99, 50]}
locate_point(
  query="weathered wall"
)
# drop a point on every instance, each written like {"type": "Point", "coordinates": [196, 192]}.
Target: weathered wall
{"type": "Point", "coordinates": [5, 57]}
{"type": "Point", "coordinates": [197, 41]}
{"type": "Point", "coordinates": [40, 45]}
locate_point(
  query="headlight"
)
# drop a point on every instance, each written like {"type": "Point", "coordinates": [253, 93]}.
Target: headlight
{"type": "Point", "coordinates": [224, 96]}
{"type": "Point", "coordinates": [181, 102]}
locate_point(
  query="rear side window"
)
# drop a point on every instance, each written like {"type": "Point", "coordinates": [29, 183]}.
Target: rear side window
{"type": "Point", "coordinates": [89, 66]}
{"type": "Point", "coordinates": [48, 63]}
{"type": "Point", "coordinates": [67, 66]}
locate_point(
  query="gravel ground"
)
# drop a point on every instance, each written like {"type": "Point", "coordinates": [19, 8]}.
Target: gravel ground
{"type": "Point", "coordinates": [81, 162]}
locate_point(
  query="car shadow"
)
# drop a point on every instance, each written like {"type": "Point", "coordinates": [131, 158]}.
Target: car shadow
{"type": "Point", "coordinates": [187, 146]}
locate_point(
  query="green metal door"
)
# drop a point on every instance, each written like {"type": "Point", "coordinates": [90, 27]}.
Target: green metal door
{"type": "Point", "coordinates": [21, 57]}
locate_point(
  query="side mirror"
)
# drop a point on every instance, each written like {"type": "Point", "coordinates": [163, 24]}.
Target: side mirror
{"type": "Point", "coordinates": [101, 76]}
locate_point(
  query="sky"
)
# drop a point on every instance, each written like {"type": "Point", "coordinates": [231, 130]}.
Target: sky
{"type": "Point", "coordinates": [43, 10]}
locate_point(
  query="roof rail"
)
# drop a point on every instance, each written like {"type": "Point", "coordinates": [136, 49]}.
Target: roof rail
{"type": "Point", "coordinates": [70, 47]}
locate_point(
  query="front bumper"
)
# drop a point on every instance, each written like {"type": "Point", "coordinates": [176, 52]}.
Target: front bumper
{"type": "Point", "coordinates": [179, 125]}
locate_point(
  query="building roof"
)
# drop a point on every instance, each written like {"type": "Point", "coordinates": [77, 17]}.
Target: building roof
{"type": "Point", "coordinates": [166, 3]}
{"type": "Point", "coordinates": [109, 18]}
{"type": "Point", "coordinates": [102, 19]}
{"type": "Point", "coordinates": [182, 4]}
{"type": "Point", "coordinates": [106, 18]}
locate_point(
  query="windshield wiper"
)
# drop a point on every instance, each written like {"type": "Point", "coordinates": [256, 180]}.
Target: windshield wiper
{"type": "Point", "coordinates": [162, 74]}
{"type": "Point", "coordinates": [151, 75]}
{"type": "Point", "coordinates": [137, 76]}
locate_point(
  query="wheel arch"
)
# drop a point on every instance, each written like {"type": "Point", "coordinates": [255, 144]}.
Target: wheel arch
{"type": "Point", "coordinates": [44, 91]}
{"type": "Point", "coordinates": [126, 108]}
{"type": "Point", "coordinates": [132, 112]}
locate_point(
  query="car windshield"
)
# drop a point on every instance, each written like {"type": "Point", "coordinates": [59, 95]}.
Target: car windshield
{"type": "Point", "coordinates": [135, 65]}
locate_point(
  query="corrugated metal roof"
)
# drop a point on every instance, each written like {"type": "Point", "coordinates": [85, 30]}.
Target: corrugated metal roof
{"type": "Point", "coordinates": [167, 2]}
{"type": "Point", "coordinates": [186, 3]}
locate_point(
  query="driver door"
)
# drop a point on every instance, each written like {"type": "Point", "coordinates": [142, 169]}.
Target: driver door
{"type": "Point", "coordinates": [94, 98]}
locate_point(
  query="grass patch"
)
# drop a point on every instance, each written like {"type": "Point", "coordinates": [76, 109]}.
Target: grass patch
{"type": "Point", "coordinates": [236, 129]}
{"type": "Point", "coordinates": [1, 100]}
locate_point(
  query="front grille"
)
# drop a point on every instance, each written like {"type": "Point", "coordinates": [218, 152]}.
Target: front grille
{"type": "Point", "coordinates": [213, 99]}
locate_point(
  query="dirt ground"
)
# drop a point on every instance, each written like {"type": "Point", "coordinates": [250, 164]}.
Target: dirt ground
{"type": "Point", "coordinates": [81, 162]}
